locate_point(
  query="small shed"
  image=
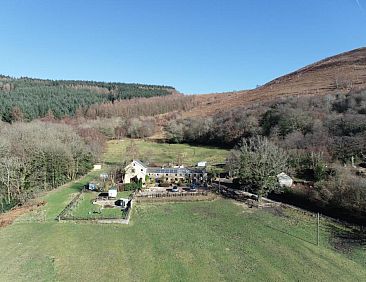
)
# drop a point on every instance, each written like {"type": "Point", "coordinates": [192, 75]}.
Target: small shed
{"type": "Point", "coordinates": [122, 202]}
{"type": "Point", "coordinates": [92, 186]}
{"type": "Point", "coordinates": [112, 193]}
{"type": "Point", "coordinates": [202, 164]}
{"type": "Point", "coordinates": [284, 180]}
{"type": "Point", "coordinates": [97, 167]}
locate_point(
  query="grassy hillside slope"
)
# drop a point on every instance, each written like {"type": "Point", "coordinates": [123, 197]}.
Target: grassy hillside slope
{"type": "Point", "coordinates": [163, 153]}
{"type": "Point", "coordinates": [220, 240]}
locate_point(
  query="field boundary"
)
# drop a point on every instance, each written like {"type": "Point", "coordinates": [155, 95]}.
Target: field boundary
{"type": "Point", "coordinates": [250, 199]}
{"type": "Point", "coordinates": [174, 197]}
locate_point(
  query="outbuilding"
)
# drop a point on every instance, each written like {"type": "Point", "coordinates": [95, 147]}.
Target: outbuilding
{"type": "Point", "coordinates": [97, 167]}
{"type": "Point", "coordinates": [284, 180]}
{"type": "Point", "coordinates": [202, 164]}
{"type": "Point", "coordinates": [91, 186]}
{"type": "Point", "coordinates": [112, 193]}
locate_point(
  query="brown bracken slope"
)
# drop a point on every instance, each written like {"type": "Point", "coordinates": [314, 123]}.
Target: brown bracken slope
{"type": "Point", "coordinates": [337, 74]}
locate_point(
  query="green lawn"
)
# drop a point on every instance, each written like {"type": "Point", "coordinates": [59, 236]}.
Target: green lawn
{"type": "Point", "coordinates": [203, 241]}
{"type": "Point", "coordinates": [165, 153]}
{"type": "Point", "coordinates": [220, 240]}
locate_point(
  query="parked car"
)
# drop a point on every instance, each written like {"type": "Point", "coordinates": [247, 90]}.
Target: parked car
{"type": "Point", "coordinates": [193, 188]}
{"type": "Point", "coordinates": [175, 189]}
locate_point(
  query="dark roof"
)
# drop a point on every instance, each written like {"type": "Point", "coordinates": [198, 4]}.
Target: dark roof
{"type": "Point", "coordinates": [170, 170]}
{"type": "Point", "coordinates": [167, 170]}
{"type": "Point", "coordinates": [173, 170]}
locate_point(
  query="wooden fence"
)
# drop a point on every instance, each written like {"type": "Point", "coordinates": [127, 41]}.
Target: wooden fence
{"type": "Point", "coordinates": [174, 196]}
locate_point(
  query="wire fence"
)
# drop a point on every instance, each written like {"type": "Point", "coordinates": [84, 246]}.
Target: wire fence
{"type": "Point", "coordinates": [66, 213]}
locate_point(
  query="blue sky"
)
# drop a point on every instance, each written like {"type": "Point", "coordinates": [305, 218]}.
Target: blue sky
{"type": "Point", "coordinates": [197, 46]}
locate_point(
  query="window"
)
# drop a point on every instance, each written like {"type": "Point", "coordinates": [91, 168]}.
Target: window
{"type": "Point", "coordinates": [133, 170]}
{"type": "Point", "coordinates": [142, 170]}
{"type": "Point", "coordinates": [166, 174]}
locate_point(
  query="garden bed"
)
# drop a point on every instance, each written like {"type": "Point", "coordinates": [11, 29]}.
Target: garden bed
{"type": "Point", "coordinates": [83, 208]}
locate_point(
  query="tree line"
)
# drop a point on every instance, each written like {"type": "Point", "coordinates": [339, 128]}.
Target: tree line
{"type": "Point", "coordinates": [28, 99]}
{"type": "Point", "coordinates": [39, 156]}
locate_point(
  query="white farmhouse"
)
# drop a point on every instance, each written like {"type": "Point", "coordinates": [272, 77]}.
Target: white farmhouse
{"type": "Point", "coordinates": [135, 171]}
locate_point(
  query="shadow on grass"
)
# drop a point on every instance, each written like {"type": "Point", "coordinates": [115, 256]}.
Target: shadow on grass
{"type": "Point", "coordinates": [112, 163]}
{"type": "Point", "coordinates": [289, 234]}
{"type": "Point", "coordinates": [346, 239]}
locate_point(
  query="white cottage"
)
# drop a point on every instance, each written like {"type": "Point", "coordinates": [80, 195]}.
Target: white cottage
{"type": "Point", "coordinates": [284, 180]}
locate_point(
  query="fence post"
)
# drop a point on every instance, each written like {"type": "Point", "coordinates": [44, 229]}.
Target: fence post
{"type": "Point", "coordinates": [317, 232]}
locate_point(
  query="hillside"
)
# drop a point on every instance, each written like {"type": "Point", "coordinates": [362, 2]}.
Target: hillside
{"type": "Point", "coordinates": [27, 98]}
{"type": "Point", "coordinates": [337, 74]}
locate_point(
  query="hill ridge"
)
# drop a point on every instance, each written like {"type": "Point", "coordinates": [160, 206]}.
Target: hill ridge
{"type": "Point", "coordinates": [339, 74]}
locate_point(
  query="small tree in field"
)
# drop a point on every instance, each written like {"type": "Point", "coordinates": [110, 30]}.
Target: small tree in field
{"type": "Point", "coordinates": [260, 162]}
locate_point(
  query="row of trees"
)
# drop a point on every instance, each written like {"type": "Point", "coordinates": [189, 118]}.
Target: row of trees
{"type": "Point", "coordinates": [139, 107]}
{"type": "Point", "coordinates": [335, 125]}
{"type": "Point", "coordinates": [27, 99]}
{"type": "Point", "coordinates": [39, 156]}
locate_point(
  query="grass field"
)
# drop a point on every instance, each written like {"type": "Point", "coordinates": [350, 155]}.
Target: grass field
{"type": "Point", "coordinates": [221, 240]}
{"type": "Point", "coordinates": [164, 153]}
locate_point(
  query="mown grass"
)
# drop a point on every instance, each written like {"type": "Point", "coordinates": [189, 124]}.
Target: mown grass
{"type": "Point", "coordinates": [164, 153]}
{"type": "Point", "coordinates": [219, 240]}
{"type": "Point", "coordinates": [203, 241]}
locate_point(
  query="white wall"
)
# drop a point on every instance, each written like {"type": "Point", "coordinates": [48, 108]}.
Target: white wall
{"type": "Point", "coordinates": [134, 169]}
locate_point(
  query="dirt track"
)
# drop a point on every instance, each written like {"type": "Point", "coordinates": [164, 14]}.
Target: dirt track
{"type": "Point", "coordinates": [8, 217]}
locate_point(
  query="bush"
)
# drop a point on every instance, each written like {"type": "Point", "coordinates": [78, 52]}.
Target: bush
{"type": "Point", "coordinates": [164, 184]}
{"type": "Point", "coordinates": [132, 186]}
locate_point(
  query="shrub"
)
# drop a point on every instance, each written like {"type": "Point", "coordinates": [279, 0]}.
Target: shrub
{"type": "Point", "coordinates": [132, 186]}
